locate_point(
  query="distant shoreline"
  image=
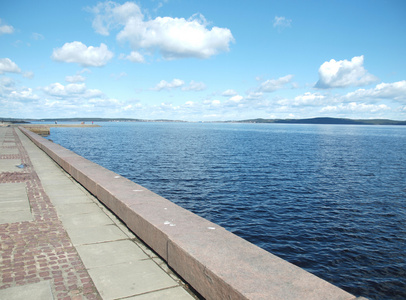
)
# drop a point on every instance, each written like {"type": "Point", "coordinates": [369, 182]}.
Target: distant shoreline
{"type": "Point", "coordinates": [319, 120]}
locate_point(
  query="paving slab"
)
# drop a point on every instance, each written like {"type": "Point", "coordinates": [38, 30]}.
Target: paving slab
{"type": "Point", "coordinates": [10, 165]}
{"type": "Point", "coordinates": [111, 283]}
{"type": "Point", "coordinates": [15, 216]}
{"type": "Point", "coordinates": [176, 293]}
{"type": "Point", "coordinates": [77, 208]}
{"type": "Point", "coordinates": [8, 151]}
{"type": "Point", "coordinates": [35, 291]}
{"type": "Point", "coordinates": [14, 204]}
{"type": "Point", "coordinates": [91, 235]}
{"type": "Point", "coordinates": [110, 253]}
{"type": "Point", "coordinates": [66, 199]}
{"type": "Point", "coordinates": [12, 190]}
{"type": "Point", "coordinates": [83, 221]}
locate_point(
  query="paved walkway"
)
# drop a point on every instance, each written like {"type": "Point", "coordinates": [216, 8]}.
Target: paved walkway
{"type": "Point", "coordinates": [58, 242]}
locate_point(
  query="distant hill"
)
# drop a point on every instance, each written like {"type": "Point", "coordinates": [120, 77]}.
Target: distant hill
{"type": "Point", "coordinates": [320, 120]}
{"type": "Point", "coordinates": [337, 121]}
{"type": "Point", "coordinates": [104, 120]}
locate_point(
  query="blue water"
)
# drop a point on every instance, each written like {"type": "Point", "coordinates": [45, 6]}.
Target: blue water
{"type": "Point", "coordinates": [328, 198]}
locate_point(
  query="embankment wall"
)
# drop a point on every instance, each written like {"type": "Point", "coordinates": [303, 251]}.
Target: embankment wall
{"type": "Point", "coordinates": [214, 261]}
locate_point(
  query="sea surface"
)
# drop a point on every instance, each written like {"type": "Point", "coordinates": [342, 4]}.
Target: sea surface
{"type": "Point", "coordinates": [328, 198]}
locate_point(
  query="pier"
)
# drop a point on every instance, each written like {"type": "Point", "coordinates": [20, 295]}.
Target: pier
{"type": "Point", "coordinates": [71, 229]}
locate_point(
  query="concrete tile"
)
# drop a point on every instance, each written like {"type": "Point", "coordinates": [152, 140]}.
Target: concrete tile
{"type": "Point", "coordinates": [126, 231]}
{"type": "Point", "coordinates": [176, 293]}
{"type": "Point", "coordinates": [13, 191]}
{"type": "Point", "coordinates": [56, 190]}
{"type": "Point", "coordinates": [10, 165]}
{"type": "Point", "coordinates": [77, 208]}
{"type": "Point", "coordinates": [5, 151]}
{"type": "Point", "coordinates": [91, 235]}
{"type": "Point", "coordinates": [66, 198]}
{"type": "Point", "coordinates": [110, 253]}
{"type": "Point", "coordinates": [41, 291]}
{"type": "Point", "coordinates": [15, 216]}
{"type": "Point", "coordinates": [54, 181]}
{"type": "Point", "coordinates": [140, 277]}
{"type": "Point", "coordinates": [14, 205]}
{"type": "Point", "coordinates": [95, 219]}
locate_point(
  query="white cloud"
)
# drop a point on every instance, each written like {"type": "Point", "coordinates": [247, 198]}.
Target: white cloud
{"type": "Point", "coordinates": [344, 73]}
{"type": "Point", "coordinates": [13, 94]}
{"type": "Point", "coordinates": [8, 66]}
{"type": "Point", "coordinates": [71, 90]}
{"type": "Point", "coordinates": [307, 99]}
{"type": "Point", "coordinates": [6, 82]}
{"type": "Point", "coordinates": [272, 85]}
{"type": "Point", "coordinates": [77, 52]}
{"type": "Point", "coordinates": [6, 29]}
{"type": "Point", "coordinates": [37, 36]}
{"type": "Point", "coordinates": [75, 78]}
{"type": "Point", "coordinates": [194, 86]}
{"type": "Point", "coordinates": [255, 95]}
{"type": "Point", "coordinates": [164, 85]}
{"type": "Point", "coordinates": [395, 91]}
{"type": "Point", "coordinates": [236, 98]}
{"type": "Point", "coordinates": [110, 15]}
{"type": "Point", "coordinates": [28, 74]}
{"type": "Point", "coordinates": [134, 56]}
{"type": "Point", "coordinates": [214, 103]}
{"type": "Point", "coordinates": [229, 93]}
{"type": "Point", "coordinates": [173, 37]}
{"type": "Point", "coordinates": [118, 76]}
{"type": "Point", "coordinates": [281, 22]}
{"type": "Point", "coordinates": [24, 94]}
{"type": "Point", "coordinates": [354, 107]}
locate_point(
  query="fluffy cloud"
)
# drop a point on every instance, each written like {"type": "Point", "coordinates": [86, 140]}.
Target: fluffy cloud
{"type": "Point", "coordinates": [236, 98]}
{"type": "Point", "coordinates": [28, 74]}
{"type": "Point", "coordinates": [134, 57]}
{"type": "Point", "coordinates": [307, 99]}
{"type": "Point", "coordinates": [212, 103]}
{"type": "Point", "coordinates": [194, 86]}
{"type": "Point", "coordinates": [10, 94]}
{"type": "Point", "coordinates": [77, 52]}
{"type": "Point", "coordinates": [355, 107]}
{"type": "Point", "coordinates": [272, 85]}
{"type": "Point", "coordinates": [173, 37]}
{"type": "Point", "coordinates": [75, 78]}
{"type": "Point", "coordinates": [164, 85]}
{"type": "Point", "coordinates": [229, 93]}
{"type": "Point", "coordinates": [344, 73]}
{"type": "Point", "coordinates": [395, 91]}
{"type": "Point", "coordinates": [8, 66]}
{"type": "Point", "coordinates": [281, 22]}
{"type": "Point", "coordinates": [37, 36]}
{"type": "Point", "coordinates": [6, 29]}
{"type": "Point", "coordinates": [23, 94]}
{"type": "Point", "coordinates": [71, 90]}
{"type": "Point", "coordinates": [110, 15]}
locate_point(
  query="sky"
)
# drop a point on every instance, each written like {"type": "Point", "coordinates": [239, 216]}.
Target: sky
{"type": "Point", "coordinates": [203, 60]}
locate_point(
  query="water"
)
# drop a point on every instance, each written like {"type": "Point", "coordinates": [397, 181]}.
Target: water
{"type": "Point", "coordinates": [330, 199]}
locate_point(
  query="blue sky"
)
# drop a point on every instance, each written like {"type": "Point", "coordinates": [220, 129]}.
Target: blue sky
{"type": "Point", "coordinates": [203, 60]}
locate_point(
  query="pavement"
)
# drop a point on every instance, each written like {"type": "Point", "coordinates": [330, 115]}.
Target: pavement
{"type": "Point", "coordinates": [57, 241]}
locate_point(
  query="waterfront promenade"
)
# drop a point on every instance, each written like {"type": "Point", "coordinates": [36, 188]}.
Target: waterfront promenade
{"type": "Point", "coordinates": [59, 242]}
